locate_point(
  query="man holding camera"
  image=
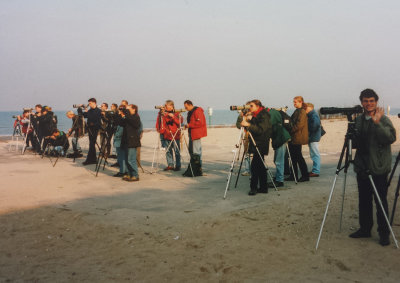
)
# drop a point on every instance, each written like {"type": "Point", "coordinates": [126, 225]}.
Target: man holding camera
{"type": "Point", "coordinates": [170, 130]}
{"type": "Point", "coordinates": [78, 131]}
{"type": "Point", "coordinates": [197, 128]}
{"type": "Point", "coordinates": [259, 126]}
{"type": "Point", "coordinates": [93, 116]}
{"type": "Point", "coordinates": [374, 134]}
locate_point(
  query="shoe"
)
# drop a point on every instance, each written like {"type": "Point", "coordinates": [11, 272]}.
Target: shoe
{"type": "Point", "coordinates": [125, 177]}
{"type": "Point", "coordinates": [262, 191]}
{"type": "Point", "coordinates": [169, 168]}
{"type": "Point", "coordinates": [360, 234]}
{"type": "Point", "coordinates": [384, 240]}
{"type": "Point", "coordinates": [116, 164]}
{"type": "Point", "coordinates": [277, 184]}
{"type": "Point", "coordinates": [132, 179]}
{"type": "Point", "coordinates": [89, 162]}
{"type": "Point", "coordinates": [119, 174]}
{"type": "Point", "coordinates": [303, 179]}
{"type": "Point", "coordinates": [290, 178]}
{"type": "Point", "coordinates": [311, 174]}
{"type": "Point", "coordinates": [252, 192]}
{"type": "Point", "coordinates": [177, 168]}
{"type": "Point", "coordinates": [246, 174]}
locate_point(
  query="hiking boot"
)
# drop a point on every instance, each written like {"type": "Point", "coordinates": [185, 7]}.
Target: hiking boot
{"type": "Point", "coordinates": [360, 234]}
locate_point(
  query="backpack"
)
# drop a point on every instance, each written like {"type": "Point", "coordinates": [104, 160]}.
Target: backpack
{"type": "Point", "coordinates": [286, 121]}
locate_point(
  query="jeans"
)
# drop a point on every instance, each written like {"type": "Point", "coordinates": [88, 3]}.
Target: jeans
{"type": "Point", "coordinates": [173, 145]}
{"type": "Point", "coordinates": [315, 157]}
{"type": "Point", "coordinates": [195, 148]}
{"type": "Point", "coordinates": [121, 159]}
{"type": "Point", "coordinates": [279, 160]}
{"type": "Point", "coordinates": [130, 161]}
{"type": "Point", "coordinates": [163, 141]}
{"type": "Point", "coordinates": [247, 163]}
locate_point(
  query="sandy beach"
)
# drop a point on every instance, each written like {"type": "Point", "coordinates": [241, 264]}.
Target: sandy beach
{"type": "Point", "coordinates": [64, 224]}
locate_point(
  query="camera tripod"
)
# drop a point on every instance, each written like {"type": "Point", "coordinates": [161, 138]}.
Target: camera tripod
{"type": "Point", "coordinates": [236, 152]}
{"type": "Point", "coordinates": [347, 155]}
{"type": "Point", "coordinates": [17, 133]}
{"type": "Point", "coordinates": [105, 144]}
{"type": "Point", "coordinates": [157, 147]}
{"type": "Point", "coordinates": [397, 188]}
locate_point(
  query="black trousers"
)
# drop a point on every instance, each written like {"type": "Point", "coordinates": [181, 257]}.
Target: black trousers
{"type": "Point", "coordinates": [298, 160]}
{"type": "Point", "coordinates": [365, 195]}
{"type": "Point", "coordinates": [91, 157]}
{"type": "Point", "coordinates": [258, 173]}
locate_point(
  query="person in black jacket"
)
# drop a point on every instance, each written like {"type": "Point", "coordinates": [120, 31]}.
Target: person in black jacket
{"type": "Point", "coordinates": [259, 126]}
{"type": "Point", "coordinates": [130, 142]}
{"type": "Point", "coordinates": [93, 116]}
{"type": "Point", "coordinates": [47, 123]}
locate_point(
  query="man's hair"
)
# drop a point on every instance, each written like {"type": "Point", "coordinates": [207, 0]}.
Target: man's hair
{"type": "Point", "coordinates": [299, 98]}
{"type": "Point", "coordinates": [55, 131]}
{"type": "Point", "coordinates": [188, 102]}
{"type": "Point", "coordinates": [367, 93]}
{"type": "Point", "coordinates": [106, 104]}
{"type": "Point", "coordinates": [170, 102]}
{"type": "Point", "coordinates": [38, 105]}
{"type": "Point", "coordinates": [115, 105]}
{"type": "Point", "coordinates": [124, 101]}
{"type": "Point", "coordinates": [257, 102]}
{"type": "Point", "coordinates": [308, 104]}
{"type": "Point", "coordinates": [133, 106]}
{"type": "Point", "coordinates": [92, 100]}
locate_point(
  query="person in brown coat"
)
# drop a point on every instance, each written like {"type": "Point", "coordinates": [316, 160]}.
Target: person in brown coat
{"type": "Point", "coordinates": [299, 137]}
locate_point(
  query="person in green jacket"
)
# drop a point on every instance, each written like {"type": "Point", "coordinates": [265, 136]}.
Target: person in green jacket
{"type": "Point", "coordinates": [280, 136]}
{"type": "Point", "coordinates": [373, 136]}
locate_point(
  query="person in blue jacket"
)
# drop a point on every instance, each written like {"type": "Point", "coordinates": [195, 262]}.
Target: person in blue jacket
{"type": "Point", "coordinates": [314, 136]}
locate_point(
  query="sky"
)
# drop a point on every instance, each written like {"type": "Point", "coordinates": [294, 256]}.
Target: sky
{"type": "Point", "coordinates": [215, 53]}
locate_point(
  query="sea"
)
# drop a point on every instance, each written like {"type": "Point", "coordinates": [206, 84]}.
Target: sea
{"type": "Point", "coordinates": [148, 118]}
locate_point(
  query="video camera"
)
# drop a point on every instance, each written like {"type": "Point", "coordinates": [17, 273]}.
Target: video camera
{"type": "Point", "coordinates": [159, 107]}
{"type": "Point", "coordinates": [15, 116]}
{"type": "Point", "coordinates": [79, 106]}
{"type": "Point", "coordinates": [346, 111]}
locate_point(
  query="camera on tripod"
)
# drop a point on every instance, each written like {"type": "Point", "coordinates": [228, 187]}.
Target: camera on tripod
{"type": "Point", "coordinates": [79, 106]}
{"type": "Point", "coordinates": [15, 116]}
{"type": "Point", "coordinates": [180, 110]}
{"type": "Point", "coordinates": [159, 107]}
{"type": "Point", "coordinates": [346, 111]}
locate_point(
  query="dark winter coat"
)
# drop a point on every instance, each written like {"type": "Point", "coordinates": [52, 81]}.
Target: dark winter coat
{"type": "Point", "coordinates": [93, 116]}
{"type": "Point", "coordinates": [260, 128]}
{"type": "Point", "coordinates": [279, 134]}
{"type": "Point", "coordinates": [132, 130]}
{"type": "Point", "coordinates": [373, 142]}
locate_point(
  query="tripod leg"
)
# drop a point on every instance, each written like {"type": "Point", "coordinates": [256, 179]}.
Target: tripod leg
{"type": "Point", "coordinates": [347, 163]}
{"type": "Point", "coordinates": [291, 163]}
{"type": "Point", "coordinates": [240, 168]}
{"type": "Point", "coordinates": [187, 148]}
{"type": "Point", "coordinates": [383, 210]}
{"type": "Point", "coordinates": [394, 169]}
{"type": "Point", "coordinates": [326, 211]}
{"type": "Point", "coordinates": [395, 201]}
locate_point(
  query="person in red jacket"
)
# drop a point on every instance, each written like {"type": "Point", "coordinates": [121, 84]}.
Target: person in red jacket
{"type": "Point", "coordinates": [168, 123]}
{"type": "Point", "coordinates": [197, 127]}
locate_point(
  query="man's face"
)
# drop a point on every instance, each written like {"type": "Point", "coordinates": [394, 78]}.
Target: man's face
{"type": "Point", "coordinates": [92, 104]}
{"type": "Point", "coordinates": [38, 109]}
{"type": "Point", "coordinates": [254, 107]}
{"type": "Point", "coordinates": [297, 103]}
{"type": "Point", "coordinates": [369, 104]}
{"type": "Point", "coordinates": [188, 107]}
